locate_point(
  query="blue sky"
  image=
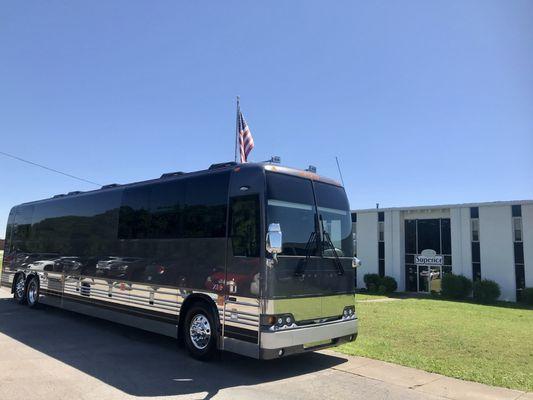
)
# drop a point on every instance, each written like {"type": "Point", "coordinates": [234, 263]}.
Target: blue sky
{"type": "Point", "coordinates": [423, 102]}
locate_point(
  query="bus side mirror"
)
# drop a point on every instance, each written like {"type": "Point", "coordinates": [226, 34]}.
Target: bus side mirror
{"type": "Point", "coordinates": [274, 239]}
{"type": "Point", "coordinates": [356, 262]}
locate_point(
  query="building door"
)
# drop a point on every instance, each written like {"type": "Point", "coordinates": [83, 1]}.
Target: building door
{"type": "Point", "coordinates": [423, 278]}
{"type": "Point", "coordinates": [429, 278]}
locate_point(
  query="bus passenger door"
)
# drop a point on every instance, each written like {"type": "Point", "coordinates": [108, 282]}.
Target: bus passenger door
{"type": "Point", "coordinates": [241, 306]}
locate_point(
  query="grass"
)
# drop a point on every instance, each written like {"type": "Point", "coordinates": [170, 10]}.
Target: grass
{"type": "Point", "coordinates": [367, 296]}
{"type": "Point", "coordinates": [486, 344]}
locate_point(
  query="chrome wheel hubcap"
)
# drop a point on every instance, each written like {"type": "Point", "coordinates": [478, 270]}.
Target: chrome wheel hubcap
{"type": "Point", "coordinates": [19, 288]}
{"type": "Point", "coordinates": [200, 331]}
{"type": "Point", "coordinates": [32, 293]}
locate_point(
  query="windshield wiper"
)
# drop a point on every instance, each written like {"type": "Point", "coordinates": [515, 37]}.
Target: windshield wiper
{"type": "Point", "coordinates": [302, 264]}
{"type": "Point", "coordinates": [326, 243]}
{"type": "Point", "coordinates": [329, 243]}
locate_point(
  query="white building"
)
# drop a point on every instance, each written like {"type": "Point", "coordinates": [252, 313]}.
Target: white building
{"type": "Point", "coordinates": [416, 245]}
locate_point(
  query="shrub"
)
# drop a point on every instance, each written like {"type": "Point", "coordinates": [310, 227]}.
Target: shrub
{"type": "Point", "coordinates": [486, 291]}
{"type": "Point", "coordinates": [456, 287]}
{"type": "Point", "coordinates": [527, 296]}
{"type": "Point", "coordinates": [372, 282]}
{"type": "Point", "coordinates": [389, 283]}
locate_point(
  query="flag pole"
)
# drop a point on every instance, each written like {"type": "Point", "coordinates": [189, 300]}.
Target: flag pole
{"type": "Point", "coordinates": [237, 128]}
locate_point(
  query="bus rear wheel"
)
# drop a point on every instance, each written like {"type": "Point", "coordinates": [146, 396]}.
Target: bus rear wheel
{"type": "Point", "coordinates": [19, 289]}
{"type": "Point", "coordinates": [32, 292]}
{"type": "Point", "coordinates": [200, 333]}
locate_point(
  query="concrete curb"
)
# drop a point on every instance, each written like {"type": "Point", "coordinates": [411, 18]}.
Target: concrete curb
{"type": "Point", "coordinates": [425, 382]}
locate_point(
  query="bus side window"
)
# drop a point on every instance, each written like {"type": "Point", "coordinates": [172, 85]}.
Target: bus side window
{"type": "Point", "coordinates": [245, 223]}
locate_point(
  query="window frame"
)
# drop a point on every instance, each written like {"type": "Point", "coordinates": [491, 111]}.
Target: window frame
{"type": "Point", "coordinates": [474, 221]}
{"type": "Point", "coordinates": [521, 229]}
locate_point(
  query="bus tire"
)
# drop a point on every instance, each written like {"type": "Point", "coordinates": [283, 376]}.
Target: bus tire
{"type": "Point", "coordinates": [19, 289]}
{"type": "Point", "coordinates": [200, 332]}
{"type": "Point", "coordinates": [32, 292]}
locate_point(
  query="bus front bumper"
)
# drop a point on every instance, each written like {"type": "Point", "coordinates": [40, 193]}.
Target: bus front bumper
{"type": "Point", "coordinates": [299, 340]}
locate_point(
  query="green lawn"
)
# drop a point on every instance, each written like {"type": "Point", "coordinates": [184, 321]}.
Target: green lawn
{"type": "Point", "coordinates": [366, 296]}
{"type": "Point", "coordinates": [487, 344]}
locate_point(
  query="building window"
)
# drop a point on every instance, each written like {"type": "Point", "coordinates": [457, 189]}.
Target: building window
{"type": "Point", "coordinates": [474, 238]}
{"type": "Point", "coordinates": [520, 276]}
{"type": "Point", "coordinates": [516, 210]}
{"type": "Point", "coordinates": [517, 229]}
{"type": "Point", "coordinates": [354, 237]}
{"type": "Point", "coordinates": [474, 225]}
{"type": "Point", "coordinates": [429, 233]}
{"type": "Point", "coordinates": [381, 243]}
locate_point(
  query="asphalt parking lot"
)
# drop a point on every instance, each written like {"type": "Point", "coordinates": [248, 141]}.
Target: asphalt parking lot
{"type": "Point", "coordinates": [54, 354]}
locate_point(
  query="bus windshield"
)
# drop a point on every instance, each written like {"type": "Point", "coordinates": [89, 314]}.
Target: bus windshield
{"type": "Point", "coordinates": [291, 203]}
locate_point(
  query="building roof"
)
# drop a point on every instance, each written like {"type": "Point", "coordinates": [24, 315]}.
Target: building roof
{"type": "Point", "coordinates": [444, 206]}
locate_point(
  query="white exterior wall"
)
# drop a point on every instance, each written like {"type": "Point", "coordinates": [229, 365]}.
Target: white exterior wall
{"type": "Point", "coordinates": [497, 251]}
{"type": "Point", "coordinates": [395, 265]}
{"type": "Point", "coordinates": [367, 245]}
{"type": "Point", "coordinates": [527, 232]}
{"type": "Point", "coordinates": [461, 241]}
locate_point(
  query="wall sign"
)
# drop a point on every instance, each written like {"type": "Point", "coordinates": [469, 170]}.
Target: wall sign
{"type": "Point", "coordinates": [429, 257]}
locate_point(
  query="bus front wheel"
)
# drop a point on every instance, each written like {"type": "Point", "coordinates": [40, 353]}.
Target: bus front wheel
{"type": "Point", "coordinates": [19, 289]}
{"type": "Point", "coordinates": [200, 333]}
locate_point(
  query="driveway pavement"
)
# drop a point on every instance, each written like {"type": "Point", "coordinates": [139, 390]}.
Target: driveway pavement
{"type": "Point", "coordinates": [54, 354]}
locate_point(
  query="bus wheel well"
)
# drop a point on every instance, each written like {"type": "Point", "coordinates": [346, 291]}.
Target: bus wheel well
{"type": "Point", "coordinates": [190, 301]}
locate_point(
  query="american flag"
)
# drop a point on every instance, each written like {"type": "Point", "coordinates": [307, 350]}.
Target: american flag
{"type": "Point", "coordinates": [246, 141]}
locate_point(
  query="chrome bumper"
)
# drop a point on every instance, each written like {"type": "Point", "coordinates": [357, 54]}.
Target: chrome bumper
{"type": "Point", "coordinates": [299, 337]}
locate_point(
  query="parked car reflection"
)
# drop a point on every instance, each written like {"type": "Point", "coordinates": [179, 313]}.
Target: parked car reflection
{"type": "Point", "coordinates": [126, 268]}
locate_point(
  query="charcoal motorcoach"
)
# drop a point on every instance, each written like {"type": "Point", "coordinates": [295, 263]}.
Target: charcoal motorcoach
{"type": "Point", "coordinates": [255, 259]}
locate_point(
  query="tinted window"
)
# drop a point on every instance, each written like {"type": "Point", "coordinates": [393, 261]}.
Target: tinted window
{"type": "Point", "coordinates": [334, 211]}
{"type": "Point", "coordinates": [476, 271]}
{"type": "Point", "coordinates": [205, 206]}
{"type": "Point", "coordinates": [519, 253]}
{"type": "Point", "coordinates": [476, 254]}
{"type": "Point", "coordinates": [516, 210]}
{"type": "Point", "coordinates": [190, 207]}
{"type": "Point", "coordinates": [446, 236]}
{"type": "Point", "coordinates": [381, 268]}
{"type": "Point", "coordinates": [134, 220]}
{"type": "Point", "coordinates": [429, 235]}
{"type": "Point", "coordinates": [291, 204]}
{"type": "Point", "coordinates": [166, 210]}
{"type": "Point", "coordinates": [81, 225]}
{"type": "Point", "coordinates": [381, 250]}
{"type": "Point", "coordinates": [474, 212]}
{"type": "Point", "coordinates": [289, 188]}
{"type": "Point", "coordinates": [245, 226]}
{"type": "Point", "coordinates": [22, 231]}
{"type": "Point", "coordinates": [410, 236]}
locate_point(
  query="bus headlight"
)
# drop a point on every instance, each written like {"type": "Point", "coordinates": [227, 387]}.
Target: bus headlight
{"type": "Point", "coordinates": [348, 312]}
{"type": "Point", "coordinates": [275, 322]}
